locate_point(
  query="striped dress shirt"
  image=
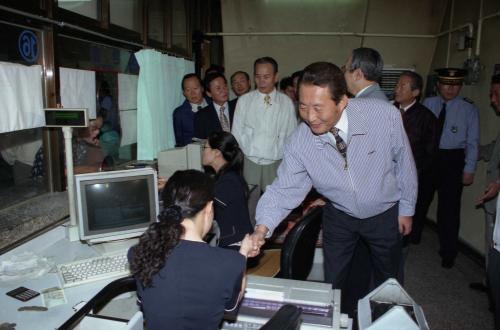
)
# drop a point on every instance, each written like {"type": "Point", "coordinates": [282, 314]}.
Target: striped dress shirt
{"type": "Point", "coordinates": [380, 172]}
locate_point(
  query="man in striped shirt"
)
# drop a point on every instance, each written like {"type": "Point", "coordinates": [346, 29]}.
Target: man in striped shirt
{"type": "Point", "coordinates": [355, 152]}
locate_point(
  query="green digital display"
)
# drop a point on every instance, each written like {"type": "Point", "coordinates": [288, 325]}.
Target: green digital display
{"type": "Point", "coordinates": [66, 117]}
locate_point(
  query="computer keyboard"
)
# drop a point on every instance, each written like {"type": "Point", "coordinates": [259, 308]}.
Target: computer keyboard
{"type": "Point", "coordinates": [93, 269]}
{"type": "Point", "coordinates": [241, 325]}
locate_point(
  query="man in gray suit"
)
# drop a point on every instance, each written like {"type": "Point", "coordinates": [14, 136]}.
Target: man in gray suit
{"type": "Point", "coordinates": [362, 71]}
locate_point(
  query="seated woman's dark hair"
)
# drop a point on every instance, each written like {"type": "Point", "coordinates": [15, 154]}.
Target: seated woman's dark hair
{"type": "Point", "coordinates": [231, 152]}
{"type": "Point", "coordinates": [185, 194]}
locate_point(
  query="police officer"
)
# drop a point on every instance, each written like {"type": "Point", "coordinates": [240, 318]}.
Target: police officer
{"type": "Point", "coordinates": [458, 125]}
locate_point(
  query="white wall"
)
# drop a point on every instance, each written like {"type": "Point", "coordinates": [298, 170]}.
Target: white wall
{"type": "Point", "coordinates": [295, 52]}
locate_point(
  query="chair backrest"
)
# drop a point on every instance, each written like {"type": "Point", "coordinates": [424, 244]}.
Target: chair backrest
{"type": "Point", "coordinates": [297, 253]}
{"type": "Point", "coordinates": [94, 305]}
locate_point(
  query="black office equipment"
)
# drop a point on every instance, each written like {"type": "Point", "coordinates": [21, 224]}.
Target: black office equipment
{"type": "Point", "coordinates": [23, 294]}
{"type": "Point", "coordinates": [94, 305]}
{"type": "Point", "coordinates": [297, 253]}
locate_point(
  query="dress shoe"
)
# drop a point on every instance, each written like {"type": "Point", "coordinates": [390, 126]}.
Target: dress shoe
{"type": "Point", "coordinates": [447, 263]}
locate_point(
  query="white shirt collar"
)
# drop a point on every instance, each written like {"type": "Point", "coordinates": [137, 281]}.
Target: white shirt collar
{"type": "Point", "coordinates": [194, 106]}
{"type": "Point", "coordinates": [217, 107]}
{"type": "Point", "coordinates": [342, 124]}
{"type": "Point", "coordinates": [272, 94]}
{"type": "Point", "coordinates": [408, 106]}
{"type": "Point", "coordinates": [364, 89]}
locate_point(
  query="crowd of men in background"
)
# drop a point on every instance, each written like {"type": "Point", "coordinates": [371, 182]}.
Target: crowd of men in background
{"type": "Point", "coordinates": [437, 151]}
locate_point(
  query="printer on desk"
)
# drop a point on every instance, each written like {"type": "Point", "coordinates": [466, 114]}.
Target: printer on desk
{"type": "Point", "coordinates": [320, 304]}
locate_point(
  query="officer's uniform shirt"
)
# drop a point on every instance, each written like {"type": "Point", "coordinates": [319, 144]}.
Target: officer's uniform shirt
{"type": "Point", "coordinates": [461, 127]}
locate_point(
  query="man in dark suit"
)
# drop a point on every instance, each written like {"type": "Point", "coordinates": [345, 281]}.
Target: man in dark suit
{"type": "Point", "coordinates": [218, 116]}
{"type": "Point", "coordinates": [183, 116]}
{"type": "Point", "coordinates": [422, 130]}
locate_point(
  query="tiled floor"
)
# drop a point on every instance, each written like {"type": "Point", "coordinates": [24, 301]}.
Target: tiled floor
{"type": "Point", "coordinates": [444, 294]}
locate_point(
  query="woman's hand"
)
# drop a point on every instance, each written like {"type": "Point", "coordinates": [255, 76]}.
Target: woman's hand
{"type": "Point", "coordinates": [246, 246]}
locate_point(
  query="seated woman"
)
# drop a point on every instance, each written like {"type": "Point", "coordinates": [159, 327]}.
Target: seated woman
{"type": "Point", "coordinates": [87, 152]}
{"type": "Point", "coordinates": [222, 153]}
{"type": "Point", "coordinates": [183, 282]}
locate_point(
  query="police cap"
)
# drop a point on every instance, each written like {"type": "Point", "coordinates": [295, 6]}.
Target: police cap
{"type": "Point", "coordinates": [451, 76]}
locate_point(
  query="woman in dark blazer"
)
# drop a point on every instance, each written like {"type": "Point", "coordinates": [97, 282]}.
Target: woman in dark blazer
{"type": "Point", "coordinates": [182, 282]}
{"type": "Point", "coordinates": [223, 154]}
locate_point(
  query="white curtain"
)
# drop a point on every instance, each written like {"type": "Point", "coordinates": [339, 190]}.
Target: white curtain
{"type": "Point", "coordinates": [21, 100]}
{"type": "Point", "coordinates": [127, 105]}
{"type": "Point", "coordinates": [78, 89]}
{"type": "Point", "coordinates": [159, 92]}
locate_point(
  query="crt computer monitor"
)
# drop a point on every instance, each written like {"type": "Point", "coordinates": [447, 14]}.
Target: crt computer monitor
{"type": "Point", "coordinates": [182, 158]}
{"type": "Point", "coordinates": [115, 205]}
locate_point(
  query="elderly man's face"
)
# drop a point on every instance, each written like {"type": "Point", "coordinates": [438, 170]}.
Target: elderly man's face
{"type": "Point", "coordinates": [448, 92]}
{"type": "Point", "coordinates": [403, 93]}
{"type": "Point", "coordinates": [317, 108]}
{"type": "Point", "coordinates": [265, 77]}
{"type": "Point", "coordinates": [495, 97]}
{"type": "Point", "coordinates": [240, 84]}
{"type": "Point", "coordinates": [192, 90]}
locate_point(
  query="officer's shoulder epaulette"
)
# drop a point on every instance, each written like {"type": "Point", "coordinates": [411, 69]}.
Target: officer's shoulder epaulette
{"type": "Point", "coordinates": [466, 99]}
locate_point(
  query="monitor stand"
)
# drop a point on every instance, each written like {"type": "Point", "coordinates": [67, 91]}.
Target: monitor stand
{"type": "Point", "coordinates": [120, 246]}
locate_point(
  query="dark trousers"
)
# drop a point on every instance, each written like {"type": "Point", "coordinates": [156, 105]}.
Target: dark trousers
{"type": "Point", "coordinates": [424, 199]}
{"type": "Point", "coordinates": [341, 233]}
{"type": "Point", "coordinates": [359, 280]}
{"type": "Point", "coordinates": [449, 187]}
{"type": "Point", "coordinates": [493, 271]}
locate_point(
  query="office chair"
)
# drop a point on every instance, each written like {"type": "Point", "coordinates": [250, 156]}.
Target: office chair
{"type": "Point", "coordinates": [297, 253]}
{"type": "Point", "coordinates": [286, 318]}
{"type": "Point", "coordinates": [94, 305]}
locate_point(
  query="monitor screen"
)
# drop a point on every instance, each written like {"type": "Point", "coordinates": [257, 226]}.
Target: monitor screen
{"type": "Point", "coordinates": [115, 205]}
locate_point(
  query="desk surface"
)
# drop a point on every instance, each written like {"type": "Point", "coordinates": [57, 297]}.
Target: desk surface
{"type": "Point", "coordinates": [54, 246]}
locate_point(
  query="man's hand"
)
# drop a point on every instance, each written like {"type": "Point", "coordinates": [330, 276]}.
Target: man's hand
{"type": "Point", "coordinates": [258, 239]}
{"type": "Point", "coordinates": [490, 192]}
{"type": "Point", "coordinates": [467, 179]}
{"type": "Point", "coordinates": [405, 224]}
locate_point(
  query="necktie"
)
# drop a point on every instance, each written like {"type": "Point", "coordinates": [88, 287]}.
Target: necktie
{"type": "Point", "coordinates": [199, 107]}
{"type": "Point", "coordinates": [267, 100]}
{"type": "Point", "coordinates": [341, 145]}
{"type": "Point", "coordinates": [442, 119]}
{"type": "Point", "coordinates": [224, 123]}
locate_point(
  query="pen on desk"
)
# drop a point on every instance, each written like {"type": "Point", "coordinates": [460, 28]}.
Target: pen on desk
{"type": "Point", "coordinates": [220, 202]}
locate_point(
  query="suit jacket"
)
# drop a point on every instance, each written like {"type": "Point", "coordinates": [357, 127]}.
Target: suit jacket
{"type": "Point", "coordinates": [422, 129]}
{"type": "Point", "coordinates": [207, 121]}
{"type": "Point", "coordinates": [491, 154]}
{"type": "Point", "coordinates": [184, 123]}
{"type": "Point", "coordinates": [232, 217]}
{"type": "Point", "coordinates": [374, 91]}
